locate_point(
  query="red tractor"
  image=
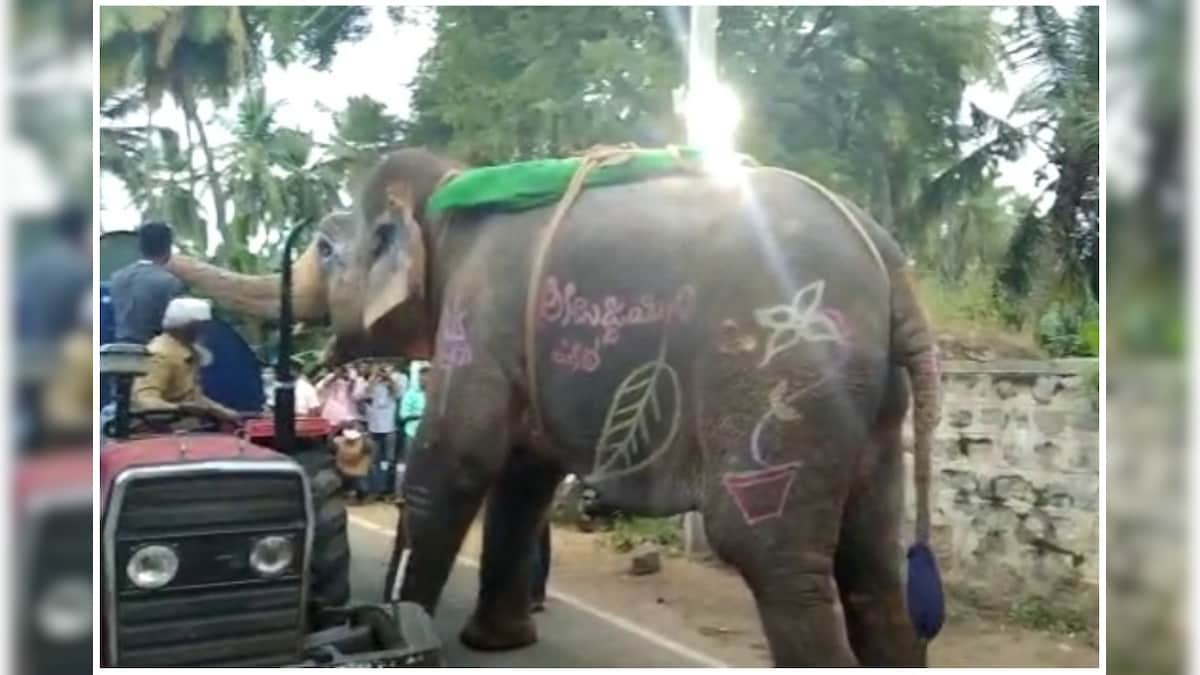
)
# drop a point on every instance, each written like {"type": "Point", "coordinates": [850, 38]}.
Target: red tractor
{"type": "Point", "coordinates": [228, 547]}
{"type": "Point", "coordinates": [53, 491]}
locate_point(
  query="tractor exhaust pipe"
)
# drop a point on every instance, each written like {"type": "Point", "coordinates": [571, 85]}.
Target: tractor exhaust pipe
{"type": "Point", "coordinates": [285, 382]}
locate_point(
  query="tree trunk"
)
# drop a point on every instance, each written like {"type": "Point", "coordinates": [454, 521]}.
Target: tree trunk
{"type": "Point", "coordinates": [214, 180]}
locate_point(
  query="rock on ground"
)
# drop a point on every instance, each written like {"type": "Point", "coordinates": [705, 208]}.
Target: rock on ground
{"type": "Point", "coordinates": [646, 560]}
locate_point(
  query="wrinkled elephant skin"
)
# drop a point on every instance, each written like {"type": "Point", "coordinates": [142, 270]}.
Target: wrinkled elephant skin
{"type": "Point", "coordinates": [740, 349]}
{"type": "Point", "coordinates": [736, 349]}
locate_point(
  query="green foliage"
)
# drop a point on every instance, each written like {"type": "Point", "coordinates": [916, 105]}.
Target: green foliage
{"type": "Point", "coordinates": [629, 532]}
{"type": "Point", "coordinates": [869, 100]}
{"type": "Point", "coordinates": [206, 53]}
{"type": "Point", "coordinates": [1089, 334]}
{"type": "Point", "coordinates": [1042, 614]}
{"type": "Point", "coordinates": [1069, 329]}
{"type": "Point", "coordinates": [305, 34]}
{"type": "Point", "coordinates": [1060, 246]}
{"type": "Point", "coordinates": [969, 298]}
{"type": "Point", "coordinates": [274, 180]}
{"type": "Point", "coordinates": [363, 132]}
{"type": "Point", "coordinates": [510, 83]}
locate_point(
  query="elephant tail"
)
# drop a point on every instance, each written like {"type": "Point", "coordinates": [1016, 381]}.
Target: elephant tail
{"type": "Point", "coordinates": [916, 345]}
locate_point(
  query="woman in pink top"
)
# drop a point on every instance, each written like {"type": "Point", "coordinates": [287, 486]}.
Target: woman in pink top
{"type": "Point", "coordinates": [337, 393]}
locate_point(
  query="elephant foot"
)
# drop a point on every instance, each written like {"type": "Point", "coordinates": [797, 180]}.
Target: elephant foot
{"type": "Point", "coordinates": [490, 637]}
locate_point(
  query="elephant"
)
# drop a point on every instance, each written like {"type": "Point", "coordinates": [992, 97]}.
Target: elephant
{"type": "Point", "coordinates": [744, 347]}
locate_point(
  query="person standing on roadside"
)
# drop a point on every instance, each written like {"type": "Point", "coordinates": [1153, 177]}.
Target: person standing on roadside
{"type": "Point", "coordinates": [382, 393]}
{"type": "Point", "coordinates": [361, 374]}
{"type": "Point", "coordinates": [541, 570]}
{"type": "Point", "coordinates": [352, 454]}
{"type": "Point", "coordinates": [142, 290]}
{"type": "Point", "coordinates": [308, 403]}
{"type": "Point", "coordinates": [336, 392]}
{"type": "Point", "coordinates": [412, 406]}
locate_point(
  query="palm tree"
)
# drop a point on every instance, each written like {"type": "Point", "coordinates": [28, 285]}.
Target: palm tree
{"type": "Point", "coordinates": [275, 178]}
{"type": "Point", "coordinates": [188, 52]}
{"type": "Point", "coordinates": [206, 53]}
{"type": "Point", "coordinates": [363, 131]}
{"type": "Point", "coordinates": [1060, 244]}
{"type": "Point", "coordinates": [153, 167]}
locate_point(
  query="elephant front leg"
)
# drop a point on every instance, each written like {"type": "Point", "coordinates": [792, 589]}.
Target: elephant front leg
{"type": "Point", "coordinates": [516, 511]}
{"type": "Point", "coordinates": [456, 458]}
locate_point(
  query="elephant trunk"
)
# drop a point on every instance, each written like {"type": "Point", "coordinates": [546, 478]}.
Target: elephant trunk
{"type": "Point", "coordinates": [256, 295]}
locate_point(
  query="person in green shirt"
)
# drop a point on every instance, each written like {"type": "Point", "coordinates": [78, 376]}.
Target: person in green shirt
{"type": "Point", "coordinates": [412, 405]}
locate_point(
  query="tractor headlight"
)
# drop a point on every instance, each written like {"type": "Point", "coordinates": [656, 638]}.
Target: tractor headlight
{"type": "Point", "coordinates": [272, 555]}
{"type": "Point", "coordinates": [64, 610]}
{"type": "Point", "coordinates": [152, 566]}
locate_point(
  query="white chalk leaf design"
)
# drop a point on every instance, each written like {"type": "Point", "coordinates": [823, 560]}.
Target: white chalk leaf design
{"type": "Point", "coordinates": [637, 411]}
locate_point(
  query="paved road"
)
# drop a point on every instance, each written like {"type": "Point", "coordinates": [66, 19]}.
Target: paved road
{"type": "Point", "coordinates": [572, 633]}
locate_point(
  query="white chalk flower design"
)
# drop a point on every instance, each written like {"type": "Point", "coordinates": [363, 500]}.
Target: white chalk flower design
{"type": "Point", "coordinates": [802, 319]}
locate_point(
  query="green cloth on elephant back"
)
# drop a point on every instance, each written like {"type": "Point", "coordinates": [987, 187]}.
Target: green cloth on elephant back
{"type": "Point", "coordinates": [526, 185]}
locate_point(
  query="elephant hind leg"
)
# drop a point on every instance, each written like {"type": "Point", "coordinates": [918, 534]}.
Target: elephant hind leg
{"type": "Point", "coordinates": [868, 560]}
{"type": "Point", "coordinates": [788, 563]}
{"type": "Point", "coordinates": [516, 511]}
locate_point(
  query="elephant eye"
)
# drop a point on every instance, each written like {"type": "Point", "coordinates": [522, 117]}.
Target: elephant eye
{"type": "Point", "coordinates": [324, 248]}
{"type": "Point", "coordinates": [385, 233]}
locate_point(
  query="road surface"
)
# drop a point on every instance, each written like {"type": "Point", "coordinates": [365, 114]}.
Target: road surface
{"type": "Point", "coordinates": [572, 633]}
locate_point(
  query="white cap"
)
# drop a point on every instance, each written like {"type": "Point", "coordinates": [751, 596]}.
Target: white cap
{"type": "Point", "coordinates": [184, 311]}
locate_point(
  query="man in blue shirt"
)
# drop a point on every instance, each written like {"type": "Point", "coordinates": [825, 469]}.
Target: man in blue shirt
{"type": "Point", "coordinates": [54, 280]}
{"type": "Point", "coordinates": [142, 290]}
{"type": "Point", "coordinates": [50, 286]}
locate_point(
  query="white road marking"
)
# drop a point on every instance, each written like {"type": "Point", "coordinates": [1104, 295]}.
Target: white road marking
{"type": "Point", "coordinates": [568, 599]}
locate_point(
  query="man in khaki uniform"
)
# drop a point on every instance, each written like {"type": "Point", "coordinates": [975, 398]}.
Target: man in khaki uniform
{"type": "Point", "coordinates": [67, 396]}
{"type": "Point", "coordinates": [172, 379]}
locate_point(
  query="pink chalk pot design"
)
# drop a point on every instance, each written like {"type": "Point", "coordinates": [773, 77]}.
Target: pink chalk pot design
{"type": "Point", "coordinates": [761, 494]}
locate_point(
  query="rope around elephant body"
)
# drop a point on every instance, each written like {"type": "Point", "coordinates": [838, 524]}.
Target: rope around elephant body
{"type": "Point", "coordinates": [595, 157]}
{"type": "Point", "coordinates": [600, 156]}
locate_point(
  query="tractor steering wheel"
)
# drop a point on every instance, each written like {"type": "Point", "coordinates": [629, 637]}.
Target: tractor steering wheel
{"type": "Point", "coordinates": [164, 421]}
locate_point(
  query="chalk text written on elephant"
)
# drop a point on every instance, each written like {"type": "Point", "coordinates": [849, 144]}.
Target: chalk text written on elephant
{"type": "Point", "coordinates": [562, 305]}
{"type": "Point", "coordinates": [453, 347]}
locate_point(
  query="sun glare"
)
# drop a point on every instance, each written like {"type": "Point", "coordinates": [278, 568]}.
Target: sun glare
{"type": "Point", "coordinates": [712, 112]}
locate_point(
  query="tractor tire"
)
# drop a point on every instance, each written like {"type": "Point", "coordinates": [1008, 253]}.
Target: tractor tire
{"type": "Point", "coordinates": [329, 565]}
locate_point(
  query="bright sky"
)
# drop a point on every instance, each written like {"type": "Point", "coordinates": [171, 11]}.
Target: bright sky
{"type": "Point", "coordinates": [383, 64]}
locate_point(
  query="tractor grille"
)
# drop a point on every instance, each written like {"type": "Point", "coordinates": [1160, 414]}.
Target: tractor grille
{"type": "Point", "coordinates": [217, 610]}
{"type": "Point", "coordinates": [59, 568]}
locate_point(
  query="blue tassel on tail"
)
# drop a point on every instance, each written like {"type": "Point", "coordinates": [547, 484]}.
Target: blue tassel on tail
{"type": "Point", "coordinates": [926, 604]}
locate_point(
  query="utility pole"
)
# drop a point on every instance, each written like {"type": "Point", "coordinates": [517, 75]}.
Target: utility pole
{"type": "Point", "coordinates": [702, 76]}
{"type": "Point", "coordinates": [702, 59]}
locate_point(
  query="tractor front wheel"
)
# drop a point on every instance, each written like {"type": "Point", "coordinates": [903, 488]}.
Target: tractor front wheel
{"type": "Point", "coordinates": [329, 567]}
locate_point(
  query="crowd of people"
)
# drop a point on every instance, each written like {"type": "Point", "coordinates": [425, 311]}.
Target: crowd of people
{"type": "Point", "coordinates": [374, 411]}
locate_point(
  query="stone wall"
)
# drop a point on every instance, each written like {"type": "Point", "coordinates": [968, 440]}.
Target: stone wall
{"type": "Point", "coordinates": [1016, 480]}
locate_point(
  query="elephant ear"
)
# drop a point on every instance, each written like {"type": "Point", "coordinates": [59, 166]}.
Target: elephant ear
{"type": "Point", "coordinates": [396, 272]}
